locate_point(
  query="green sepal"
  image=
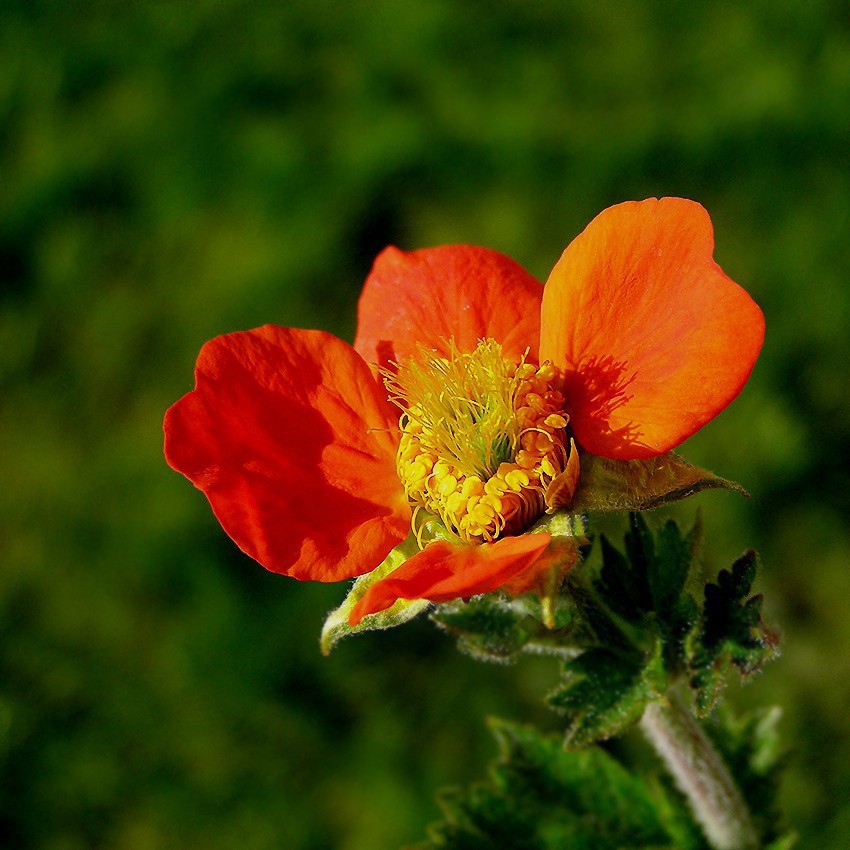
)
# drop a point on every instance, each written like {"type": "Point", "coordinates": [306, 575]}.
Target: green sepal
{"type": "Point", "coordinates": [675, 557]}
{"type": "Point", "coordinates": [730, 632]}
{"type": "Point", "coordinates": [637, 485]}
{"type": "Point", "coordinates": [489, 628]}
{"type": "Point", "coordinates": [604, 692]}
{"type": "Point", "coordinates": [336, 625]}
{"type": "Point", "coordinates": [542, 797]}
{"type": "Point", "coordinates": [495, 627]}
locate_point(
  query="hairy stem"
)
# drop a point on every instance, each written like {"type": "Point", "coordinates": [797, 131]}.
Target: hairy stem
{"type": "Point", "coordinates": [701, 775]}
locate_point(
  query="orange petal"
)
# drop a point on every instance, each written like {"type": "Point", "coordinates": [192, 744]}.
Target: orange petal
{"type": "Point", "coordinates": [293, 443]}
{"type": "Point", "coordinates": [444, 571]}
{"type": "Point", "coordinates": [655, 340]}
{"type": "Point", "coordinates": [456, 291]}
{"type": "Point", "coordinates": [547, 573]}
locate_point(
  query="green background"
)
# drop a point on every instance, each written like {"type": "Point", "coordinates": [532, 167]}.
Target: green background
{"type": "Point", "coordinates": [173, 171]}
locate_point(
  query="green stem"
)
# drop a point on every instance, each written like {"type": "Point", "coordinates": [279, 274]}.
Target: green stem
{"type": "Point", "coordinates": [701, 775]}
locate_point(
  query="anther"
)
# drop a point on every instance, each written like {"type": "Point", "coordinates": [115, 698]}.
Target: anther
{"type": "Point", "coordinates": [482, 438]}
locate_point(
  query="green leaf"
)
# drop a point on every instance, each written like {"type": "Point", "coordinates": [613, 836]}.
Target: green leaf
{"type": "Point", "coordinates": [336, 625]}
{"type": "Point", "coordinates": [623, 582]}
{"type": "Point", "coordinates": [645, 586]}
{"type": "Point", "coordinates": [594, 624]}
{"type": "Point", "coordinates": [675, 554]}
{"type": "Point", "coordinates": [637, 485]}
{"type": "Point", "coordinates": [605, 692]}
{"type": "Point", "coordinates": [731, 632]}
{"type": "Point", "coordinates": [541, 797]}
{"type": "Point", "coordinates": [668, 573]}
{"type": "Point", "coordinates": [650, 577]}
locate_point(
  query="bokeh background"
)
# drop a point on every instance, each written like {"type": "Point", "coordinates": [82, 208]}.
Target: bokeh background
{"type": "Point", "coordinates": [173, 171]}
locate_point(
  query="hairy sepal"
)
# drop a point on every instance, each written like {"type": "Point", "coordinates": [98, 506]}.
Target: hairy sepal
{"type": "Point", "coordinates": [638, 485]}
{"type": "Point", "coordinates": [530, 615]}
{"type": "Point", "coordinates": [336, 625]}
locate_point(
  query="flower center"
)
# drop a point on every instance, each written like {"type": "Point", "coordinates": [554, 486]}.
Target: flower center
{"type": "Point", "coordinates": [482, 438]}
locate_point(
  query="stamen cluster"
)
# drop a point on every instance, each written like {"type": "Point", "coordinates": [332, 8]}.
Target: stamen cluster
{"type": "Point", "coordinates": [482, 438]}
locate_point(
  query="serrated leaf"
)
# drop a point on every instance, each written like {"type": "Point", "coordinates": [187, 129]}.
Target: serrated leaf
{"type": "Point", "coordinates": [605, 692]}
{"type": "Point", "coordinates": [622, 585]}
{"type": "Point", "coordinates": [336, 625]}
{"type": "Point", "coordinates": [645, 586]}
{"type": "Point", "coordinates": [675, 554]}
{"type": "Point", "coordinates": [594, 625]}
{"type": "Point", "coordinates": [731, 631]}
{"type": "Point", "coordinates": [541, 797]}
{"type": "Point", "coordinates": [680, 624]}
{"type": "Point", "coordinates": [650, 577]}
{"type": "Point", "coordinates": [637, 485]}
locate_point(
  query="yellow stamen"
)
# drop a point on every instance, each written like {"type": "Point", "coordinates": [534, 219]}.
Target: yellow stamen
{"type": "Point", "coordinates": [482, 438]}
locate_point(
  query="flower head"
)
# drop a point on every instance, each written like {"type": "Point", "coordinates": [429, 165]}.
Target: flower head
{"type": "Point", "coordinates": [459, 417]}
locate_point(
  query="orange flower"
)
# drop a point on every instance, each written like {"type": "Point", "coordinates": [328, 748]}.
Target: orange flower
{"type": "Point", "coordinates": [637, 340]}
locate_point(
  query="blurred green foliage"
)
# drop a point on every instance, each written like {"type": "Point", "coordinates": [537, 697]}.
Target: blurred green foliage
{"type": "Point", "coordinates": [172, 171]}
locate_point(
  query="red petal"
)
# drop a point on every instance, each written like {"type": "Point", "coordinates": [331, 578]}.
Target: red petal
{"type": "Point", "coordinates": [426, 297]}
{"type": "Point", "coordinates": [654, 338]}
{"type": "Point", "coordinates": [443, 571]}
{"type": "Point", "coordinates": [293, 443]}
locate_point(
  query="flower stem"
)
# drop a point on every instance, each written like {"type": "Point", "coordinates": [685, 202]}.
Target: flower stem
{"type": "Point", "coordinates": [701, 775]}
